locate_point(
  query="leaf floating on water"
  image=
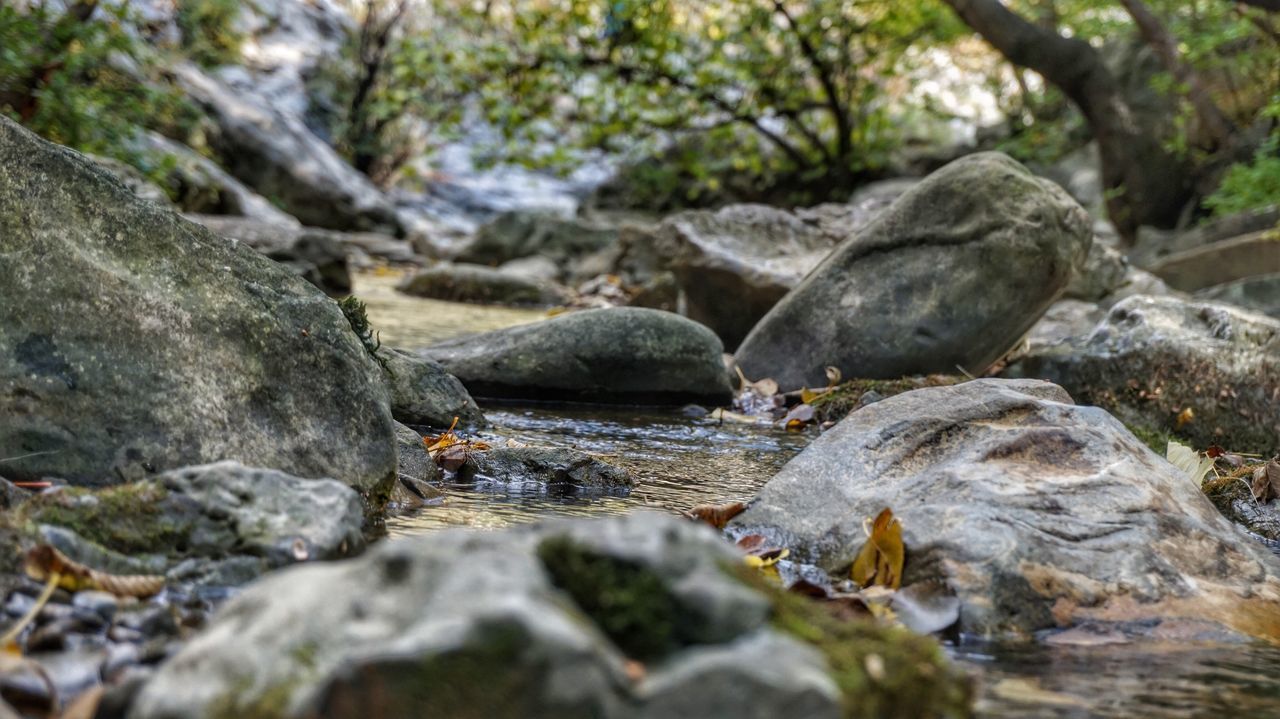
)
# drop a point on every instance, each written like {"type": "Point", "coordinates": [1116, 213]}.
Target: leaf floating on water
{"type": "Point", "coordinates": [880, 561]}
{"type": "Point", "coordinates": [44, 562]}
{"type": "Point", "coordinates": [717, 515]}
{"type": "Point", "coordinates": [1186, 459]}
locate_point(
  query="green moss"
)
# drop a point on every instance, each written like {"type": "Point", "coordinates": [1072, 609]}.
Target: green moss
{"type": "Point", "coordinates": [1155, 438]}
{"type": "Point", "coordinates": [627, 602]}
{"type": "Point", "coordinates": [358, 317]}
{"type": "Point", "coordinates": [130, 518]}
{"type": "Point", "coordinates": [835, 405]}
{"type": "Point", "coordinates": [209, 32]}
{"type": "Point", "coordinates": [883, 671]}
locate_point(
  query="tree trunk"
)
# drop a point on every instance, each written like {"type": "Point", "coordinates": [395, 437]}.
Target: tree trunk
{"type": "Point", "coordinates": [1144, 183]}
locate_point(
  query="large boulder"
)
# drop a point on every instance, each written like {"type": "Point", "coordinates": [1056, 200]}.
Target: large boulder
{"type": "Point", "coordinates": [523, 233]}
{"type": "Point", "coordinates": [133, 341]}
{"type": "Point", "coordinates": [1260, 293]}
{"type": "Point", "coordinates": [275, 153]}
{"type": "Point", "coordinates": [623, 354]}
{"type": "Point", "coordinates": [734, 264]}
{"type": "Point", "coordinates": [1221, 262]}
{"type": "Point", "coordinates": [1037, 513]}
{"type": "Point", "coordinates": [464, 282]}
{"type": "Point", "coordinates": [423, 393]}
{"type": "Point", "coordinates": [952, 275]}
{"type": "Point", "coordinates": [626, 618]}
{"type": "Point", "coordinates": [1152, 359]}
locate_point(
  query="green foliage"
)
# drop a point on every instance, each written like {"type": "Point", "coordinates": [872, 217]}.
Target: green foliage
{"type": "Point", "coordinates": [1252, 185]}
{"type": "Point", "coordinates": [85, 81]}
{"type": "Point", "coordinates": [209, 34]}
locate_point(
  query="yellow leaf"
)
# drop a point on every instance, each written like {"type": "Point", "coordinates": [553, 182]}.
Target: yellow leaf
{"type": "Point", "coordinates": [880, 560]}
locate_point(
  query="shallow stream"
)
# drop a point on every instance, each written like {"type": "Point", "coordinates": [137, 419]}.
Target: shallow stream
{"type": "Point", "coordinates": [680, 461]}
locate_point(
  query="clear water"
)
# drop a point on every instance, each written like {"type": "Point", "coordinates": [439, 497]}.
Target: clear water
{"type": "Point", "coordinates": [680, 461]}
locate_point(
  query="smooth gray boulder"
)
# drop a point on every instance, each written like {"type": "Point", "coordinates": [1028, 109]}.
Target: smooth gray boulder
{"type": "Point", "coordinates": [524, 233]}
{"type": "Point", "coordinates": [183, 520]}
{"type": "Point", "coordinates": [317, 257]}
{"type": "Point", "coordinates": [133, 341]}
{"type": "Point", "coordinates": [1037, 513]}
{"type": "Point", "coordinates": [621, 354]}
{"type": "Point", "coordinates": [276, 154]}
{"type": "Point", "coordinates": [631, 617]}
{"type": "Point", "coordinates": [1260, 293]}
{"type": "Point", "coordinates": [424, 393]}
{"type": "Point", "coordinates": [1152, 358]}
{"type": "Point", "coordinates": [734, 264]}
{"type": "Point", "coordinates": [483, 285]}
{"type": "Point", "coordinates": [952, 275]}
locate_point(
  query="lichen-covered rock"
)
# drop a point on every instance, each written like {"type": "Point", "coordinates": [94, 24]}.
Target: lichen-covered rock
{"type": "Point", "coordinates": [210, 512]}
{"type": "Point", "coordinates": [544, 469]}
{"type": "Point", "coordinates": [952, 275]}
{"type": "Point", "coordinates": [734, 264]}
{"type": "Point", "coordinates": [133, 341]}
{"type": "Point", "coordinates": [424, 393]}
{"type": "Point", "coordinates": [623, 354]}
{"type": "Point", "coordinates": [541, 622]}
{"type": "Point", "coordinates": [1035, 512]}
{"type": "Point", "coordinates": [1152, 358]}
{"type": "Point", "coordinates": [483, 285]}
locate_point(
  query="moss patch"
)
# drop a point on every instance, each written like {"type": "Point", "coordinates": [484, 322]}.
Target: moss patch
{"type": "Point", "coordinates": [883, 671]}
{"type": "Point", "coordinates": [835, 405]}
{"type": "Point", "coordinates": [629, 603]}
{"type": "Point", "coordinates": [129, 518]}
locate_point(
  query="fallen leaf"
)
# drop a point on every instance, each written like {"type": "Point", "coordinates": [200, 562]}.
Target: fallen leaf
{"type": "Point", "coordinates": [798, 417]}
{"type": "Point", "coordinates": [717, 515]}
{"type": "Point", "coordinates": [751, 542]}
{"type": "Point", "coordinates": [85, 706]}
{"type": "Point", "coordinates": [1266, 482]}
{"type": "Point", "coordinates": [449, 450]}
{"type": "Point", "coordinates": [1184, 458]}
{"type": "Point", "coordinates": [1184, 418]}
{"type": "Point", "coordinates": [926, 607]}
{"type": "Point", "coordinates": [880, 560]}
{"type": "Point", "coordinates": [44, 562]}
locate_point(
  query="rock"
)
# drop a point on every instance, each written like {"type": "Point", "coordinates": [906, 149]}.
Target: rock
{"type": "Point", "coordinates": [1151, 358]}
{"type": "Point", "coordinates": [875, 197]}
{"type": "Point", "coordinates": [543, 469]}
{"type": "Point", "coordinates": [733, 265]}
{"type": "Point", "coordinates": [952, 275]}
{"type": "Point", "coordinates": [200, 186]}
{"type": "Point", "coordinates": [1153, 246]}
{"type": "Point", "coordinates": [523, 233]}
{"type": "Point", "coordinates": [423, 393]}
{"type": "Point", "coordinates": [1035, 512]}
{"type": "Point", "coordinates": [318, 258]}
{"type": "Point", "coordinates": [142, 187]}
{"type": "Point", "coordinates": [213, 511]}
{"type": "Point", "coordinates": [268, 237]}
{"type": "Point", "coordinates": [135, 342]}
{"type": "Point", "coordinates": [278, 156]}
{"type": "Point", "coordinates": [1258, 294]}
{"type": "Point", "coordinates": [1065, 321]}
{"type": "Point", "coordinates": [1221, 262]}
{"type": "Point", "coordinates": [534, 267]}
{"type": "Point", "coordinates": [621, 354]}
{"type": "Point", "coordinates": [483, 285]}
{"type": "Point", "coordinates": [418, 476]}
{"type": "Point", "coordinates": [539, 622]}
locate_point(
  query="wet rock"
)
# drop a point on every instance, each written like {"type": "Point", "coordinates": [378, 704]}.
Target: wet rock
{"type": "Point", "coordinates": [276, 154]}
{"type": "Point", "coordinates": [534, 267]}
{"type": "Point", "coordinates": [538, 622]}
{"type": "Point", "coordinates": [139, 342]}
{"type": "Point", "coordinates": [622, 354]}
{"type": "Point", "coordinates": [1259, 294]}
{"type": "Point", "coordinates": [733, 265]}
{"type": "Point", "coordinates": [1151, 358]}
{"type": "Point", "coordinates": [207, 512]}
{"type": "Point", "coordinates": [1036, 512]}
{"type": "Point", "coordinates": [424, 393]}
{"type": "Point", "coordinates": [543, 469]}
{"type": "Point", "coordinates": [953, 274]}
{"type": "Point", "coordinates": [317, 257]}
{"type": "Point", "coordinates": [418, 476]}
{"type": "Point", "coordinates": [483, 285]}
{"type": "Point", "coordinates": [524, 233]}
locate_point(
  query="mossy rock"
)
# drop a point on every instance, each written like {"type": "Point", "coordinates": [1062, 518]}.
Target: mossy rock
{"type": "Point", "coordinates": [836, 404]}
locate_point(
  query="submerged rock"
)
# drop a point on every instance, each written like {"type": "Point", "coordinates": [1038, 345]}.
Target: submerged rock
{"type": "Point", "coordinates": [622, 354]}
{"type": "Point", "coordinates": [135, 342]}
{"type": "Point", "coordinates": [555, 469]}
{"type": "Point", "coordinates": [483, 285]}
{"type": "Point", "coordinates": [424, 393]}
{"type": "Point", "coordinates": [1153, 358]}
{"type": "Point", "coordinates": [1036, 512]}
{"type": "Point", "coordinates": [544, 621]}
{"type": "Point", "coordinates": [734, 264]}
{"type": "Point", "coordinates": [212, 512]}
{"type": "Point", "coordinates": [952, 275]}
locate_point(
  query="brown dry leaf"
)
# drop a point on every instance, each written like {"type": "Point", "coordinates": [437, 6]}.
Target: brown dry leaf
{"type": "Point", "coordinates": [635, 671]}
{"type": "Point", "coordinates": [880, 560]}
{"type": "Point", "coordinates": [449, 450]}
{"type": "Point", "coordinates": [751, 543]}
{"type": "Point", "coordinates": [85, 706]}
{"type": "Point", "coordinates": [44, 562]}
{"type": "Point", "coordinates": [1264, 482]}
{"type": "Point", "coordinates": [1184, 418]}
{"type": "Point", "coordinates": [798, 417]}
{"type": "Point", "coordinates": [717, 515]}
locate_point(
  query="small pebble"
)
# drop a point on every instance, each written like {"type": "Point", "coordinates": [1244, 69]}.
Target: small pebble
{"type": "Point", "coordinates": [101, 603]}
